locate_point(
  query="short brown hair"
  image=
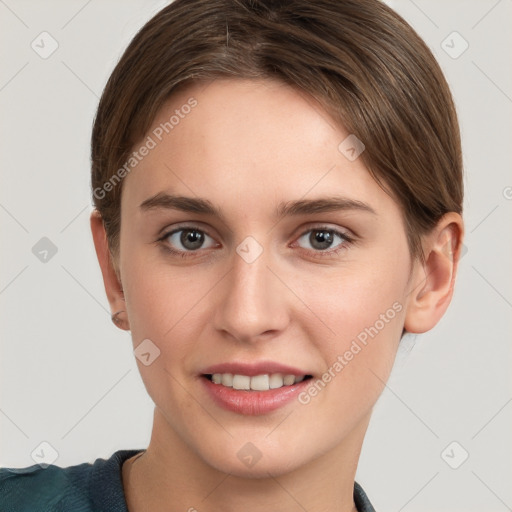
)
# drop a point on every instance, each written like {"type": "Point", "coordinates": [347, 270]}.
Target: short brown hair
{"type": "Point", "coordinates": [363, 62]}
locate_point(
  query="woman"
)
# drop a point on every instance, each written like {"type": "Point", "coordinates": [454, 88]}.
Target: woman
{"type": "Point", "coordinates": [278, 198]}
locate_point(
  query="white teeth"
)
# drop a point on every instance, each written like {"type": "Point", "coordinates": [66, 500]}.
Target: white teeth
{"type": "Point", "coordinates": [257, 383]}
{"type": "Point", "coordinates": [241, 382]}
{"type": "Point", "coordinates": [276, 381]}
{"type": "Point", "coordinates": [289, 380]}
{"type": "Point", "coordinates": [260, 383]}
{"type": "Point", "coordinates": [227, 379]}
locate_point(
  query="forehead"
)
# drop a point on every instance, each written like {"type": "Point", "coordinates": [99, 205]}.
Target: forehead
{"type": "Point", "coordinates": [251, 141]}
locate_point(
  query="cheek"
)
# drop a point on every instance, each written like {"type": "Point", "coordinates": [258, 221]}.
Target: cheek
{"type": "Point", "coordinates": [167, 308]}
{"type": "Point", "coordinates": [363, 317]}
{"type": "Point", "coordinates": [161, 310]}
{"type": "Point", "coordinates": [157, 297]}
{"type": "Point", "coordinates": [158, 308]}
{"type": "Point", "coordinates": [350, 301]}
{"type": "Point", "coordinates": [357, 362]}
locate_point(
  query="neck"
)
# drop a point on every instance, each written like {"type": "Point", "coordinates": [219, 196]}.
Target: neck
{"type": "Point", "coordinates": [170, 476]}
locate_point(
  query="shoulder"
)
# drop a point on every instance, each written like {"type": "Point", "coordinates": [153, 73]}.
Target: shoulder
{"type": "Point", "coordinates": [361, 500]}
{"type": "Point", "coordinates": [52, 488]}
{"type": "Point", "coordinates": [79, 488]}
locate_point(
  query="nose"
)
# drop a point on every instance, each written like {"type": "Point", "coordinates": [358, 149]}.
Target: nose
{"type": "Point", "coordinates": [253, 302]}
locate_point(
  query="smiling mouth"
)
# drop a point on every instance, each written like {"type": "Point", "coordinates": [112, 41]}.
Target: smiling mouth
{"type": "Point", "coordinates": [264, 382]}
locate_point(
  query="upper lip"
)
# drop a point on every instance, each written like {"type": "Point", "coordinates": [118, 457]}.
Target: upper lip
{"type": "Point", "coordinates": [254, 368]}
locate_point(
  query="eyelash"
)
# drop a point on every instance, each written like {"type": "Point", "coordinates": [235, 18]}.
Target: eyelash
{"type": "Point", "coordinates": [347, 241]}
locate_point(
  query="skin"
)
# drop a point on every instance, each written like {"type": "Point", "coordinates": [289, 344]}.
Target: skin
{"type": "Point", "coordinates": [246, 147]}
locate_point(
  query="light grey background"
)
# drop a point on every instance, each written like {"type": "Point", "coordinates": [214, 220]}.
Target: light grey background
{"type": "Point", "coordinates": [68, 376]}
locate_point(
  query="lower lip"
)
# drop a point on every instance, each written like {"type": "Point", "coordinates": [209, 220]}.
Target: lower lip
{"type": "Point", "coordinates": [253, 403]}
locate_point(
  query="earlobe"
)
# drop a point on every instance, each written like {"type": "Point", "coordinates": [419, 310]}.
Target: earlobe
{"type": "Point", "coordinates": [433, 282]}
{"type": "Point", "coordinates": [111, 279]}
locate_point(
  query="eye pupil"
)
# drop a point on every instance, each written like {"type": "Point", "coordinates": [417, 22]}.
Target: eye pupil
{"type": "Point", "coordinates": [191, 238]}
{"type": "Point", "coordinates": [321, 237]}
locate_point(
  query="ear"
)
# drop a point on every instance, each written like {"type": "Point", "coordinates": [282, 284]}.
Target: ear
{"type": "Point", "coordinates": [433, 281]}
{"type": "Point", "coordinates": [111, 278]}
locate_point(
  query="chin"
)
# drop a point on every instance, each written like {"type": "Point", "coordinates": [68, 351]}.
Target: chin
{"type": "Point", "coordinates": [260, 459]}
{"type": "Point", "coordinates": [263, 468]}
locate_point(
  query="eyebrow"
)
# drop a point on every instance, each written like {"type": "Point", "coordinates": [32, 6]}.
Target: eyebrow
{"type": "Point", "coordinates": [166, 201]}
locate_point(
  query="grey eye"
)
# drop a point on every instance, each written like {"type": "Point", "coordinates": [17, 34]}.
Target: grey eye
{"type": "Point", "coordinates": [321, 239]}
{"type": "Point", "coordinates": [190, 239]}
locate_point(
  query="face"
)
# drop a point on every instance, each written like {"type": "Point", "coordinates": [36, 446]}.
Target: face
{"type": "Point", "coordinates": [295, 262]}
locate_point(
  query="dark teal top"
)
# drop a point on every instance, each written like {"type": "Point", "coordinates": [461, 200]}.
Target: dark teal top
{"type": "Point", "coordinates": [96, 487]}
